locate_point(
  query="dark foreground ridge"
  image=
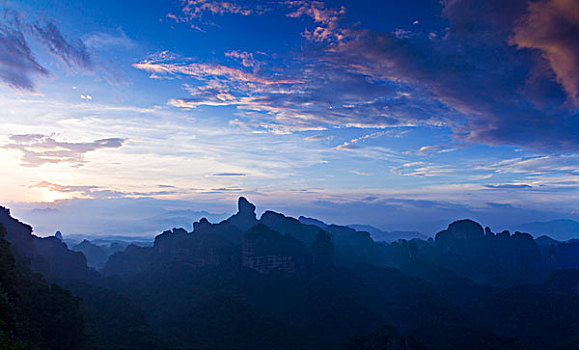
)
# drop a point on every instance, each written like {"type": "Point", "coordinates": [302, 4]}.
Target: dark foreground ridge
{"type": "Point", "coordinates": [278, 282]}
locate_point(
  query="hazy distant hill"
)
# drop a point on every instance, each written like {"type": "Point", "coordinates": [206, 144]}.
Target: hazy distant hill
{"type": "Point", "coordinates": [388, 236]}
{"type": "Point", "coordinates": [561, 230]}
{"type": "Point", "coordinates": [376, 234]}
{"type": "Point", "coordinates": [546, 241]}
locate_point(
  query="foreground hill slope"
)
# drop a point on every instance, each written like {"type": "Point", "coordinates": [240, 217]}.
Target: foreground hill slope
{"type": "Point", "coordinates": [33, 313]}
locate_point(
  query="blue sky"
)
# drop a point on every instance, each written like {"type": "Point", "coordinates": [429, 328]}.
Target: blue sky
{"type": "Point", "coordinates": [399, 114]}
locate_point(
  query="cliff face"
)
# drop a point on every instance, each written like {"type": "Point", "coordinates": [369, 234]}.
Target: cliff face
{"type": "Point", "coordinates": [265, 250]}
{"type": "Point", "coordinates": [275, 242]}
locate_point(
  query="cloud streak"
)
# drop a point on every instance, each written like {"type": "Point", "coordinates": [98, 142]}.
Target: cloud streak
{"type": "Point", "coordinates": [99, 192]}
{"type": "Point", "coordinates": [18, 66]}
{"type": "Point", "coordinates": [510, 186]}
{"type": "Point", "coordinates": [37, 149]}
{"type": "Point", "coordinates": [74, 53]}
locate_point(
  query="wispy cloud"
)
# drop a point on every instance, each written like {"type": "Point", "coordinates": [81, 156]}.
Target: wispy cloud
{"type": "Point", "coordinates": [441, 148]}
{"type": "Point", "coordinates": [317, 138]}
{"type": "Point", "coordinates": [64, 188]}
{"type": "Point", "coordinates": [510, 186]}
{"type": "Point", "coordinates": [423, 170]}
{"type": "Point", "coordinates": [361, 173]}
{"type": "Point", "coordinates": [247, 59]}
{"type": "Point", "coordinates": [72, 52]}
{"type": "Point", "coordinates": [100, 192]}
{"type": "Point", "coordinates": [18, 66]}
{"type": "Point", "coordinates": [358, 141]}
{"type": "Point", "coordinates": [195, 12]}
{"type": "Point", "coordinates": [166, 64]}
{"type": "Point", "coordinates": [301, 97]}
{"type": "Point", "coordinates": [192, 146]}
{"type": "Point", "coordinates": [100, 40]}
{"type": "Point", "coordinates": [229, 174]}
{"type": "Point", "coordinates": [37, 149]}
{"type": "Point", "coordinates": [196, 8]}
{"type": "Point", "coordinates": [326, 19]}
{"type": "Point", "coordinates": [540, 164]}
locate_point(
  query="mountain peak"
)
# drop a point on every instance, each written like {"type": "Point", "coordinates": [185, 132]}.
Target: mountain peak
{"type": "Point", "coordinates": [245, 207]}
{"type": "Point", "coordinates": [203, 224]}
{"type": "Point", "coordinates": [466, 229]}
{"type": "Point", "coordinates": [245, 216]}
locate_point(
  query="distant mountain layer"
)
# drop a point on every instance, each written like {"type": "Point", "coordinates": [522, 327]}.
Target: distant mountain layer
{"type": "Point", "coordinates": [561, 230]}
{"type": "Point", "coordinates": [388, 236]}
{"type": "Point", "coordinates": [375, 233]}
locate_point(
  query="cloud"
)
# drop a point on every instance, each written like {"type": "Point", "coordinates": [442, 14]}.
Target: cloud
{"type": "Point", "coordinates": [63, 188]}
{"type": "Point", "coordinates": [535, 165]}
{"type": "Point", "coordinates": [327, 20]}
{"type": "Point", "coordinates": [194, 12]}
{"type": "Point", "coordinates": [442, 148]}
{"type": "Point", "coordinates": [552, 27]}
{"type": "Point", "coordinates": [196, 8]}
{"type": "Point", "coordinates": [347, 146]}
{"type": "Point", "coordinates": [423, 170]}
{"type": "Point", "coordinates": [229, 174]}
{"type": "Point", "coordinates": [316, 138]}
{"type": "Point", "coordinates": [225, 190]}
{"type": "Point", "coordinates": [474, 75]}
{"type": "Point", "coordinates": [510, 186]}
{"type": "Point", "coordinates": [72, 52]}
{"type": "Point", "coordinates": [38, 149]}
{"type": "Point", "coordinates": [101, 40]}
{"type": "Point", "coordinates": [166, 64]}
{"type": "Point", "coordinates": [356, 142]}
{"type": "Point", "coordinates": [361, 173]}
{"type": "Point", "coordinates": [500, 205]}
{"type": "Point", "coordinates": [302, 97]}
{"type": "Point", "coordinates": [18, 66]}
{"type": "Point", "coordinates": [473, 72]}
{"type": "Point", "coordinates": [99, 192]}
{"type": "Point", "coordinates": [246, 58]}
{"type": "Point", "coordinates": [209, 146]}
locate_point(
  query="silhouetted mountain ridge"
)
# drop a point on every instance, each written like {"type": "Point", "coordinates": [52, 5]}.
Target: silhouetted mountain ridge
{"type": "Point", "coordinates": [286, 283]}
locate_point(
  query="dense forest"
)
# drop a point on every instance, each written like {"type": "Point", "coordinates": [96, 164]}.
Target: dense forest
{"type": "Point", "coordinates": [282, 283]}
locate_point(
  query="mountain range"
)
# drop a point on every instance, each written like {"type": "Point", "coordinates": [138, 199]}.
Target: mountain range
{"type": "Point", "coordinates": [279, 282]}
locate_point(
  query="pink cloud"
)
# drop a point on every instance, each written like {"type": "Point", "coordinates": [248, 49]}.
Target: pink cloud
{"type": "Point", "coordinates": [39, 149]}
{"type": "Point", "coordinates": [552, 27]}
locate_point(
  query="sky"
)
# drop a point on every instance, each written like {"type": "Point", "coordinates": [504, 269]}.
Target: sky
{"type": "Point", "coordinates": [127, 117]}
